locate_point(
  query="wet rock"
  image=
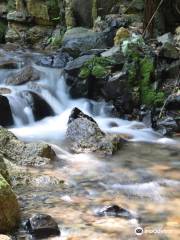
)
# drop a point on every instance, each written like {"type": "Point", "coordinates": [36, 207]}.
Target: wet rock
{"type": "Point", "coordinates": [55, 61]}
{"type": "Point", "coordinates": [167, 126]}
{"type": "Point", "coordinates": [84, 135]}
{"type": "Point", "coordinates": [42, 225]}
{"type": "Point", "coordinates": [9, 210]}
{"type": "Point", "coordinates": [39, 106]}
{"type": "Point", "coordinates": [84, 39]}
{"type": "Point", "coordinates": [24, 153]}
{"type": "Point", "coordinates": [8, 64]}
{"type": "Point", "coordinates": [27, 74]}
{"type": "Point", "coordinates": [117, 89]}
{"type": "Point", "coordinates": [115, 54]}
{"type": "Point", "coordinates": [114, 211]}
{"type": "Point", "coordinates": [6, 118]}
{"type": "Point", "coordinates": [77, 63]}
{"type": "Point", "coordinates": [4, 90]}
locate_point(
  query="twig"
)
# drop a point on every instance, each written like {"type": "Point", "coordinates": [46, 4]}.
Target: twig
{"type": "Point", "coordinates": [154, 14]}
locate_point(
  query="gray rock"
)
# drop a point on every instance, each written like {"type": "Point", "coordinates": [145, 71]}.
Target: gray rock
{"type": "Point", "coordinates": [169, 51]}
{"type": "Point", "coordinates": [84, 135]}
{"type": "Point", "coordinates": [42, 225]}
{"type": "Point", "coordinates": [26, 74]}
{"type": "Point", "coordinates": [24, 153]}
{"type": "Point", "coordinates": [77, 63]}
{"type": "Point", "coordinates": [84, 39]}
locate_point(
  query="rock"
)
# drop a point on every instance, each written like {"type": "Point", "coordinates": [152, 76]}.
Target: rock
{"type": "Point", "coordinates": [168, 50]}
{"type": "Point", "coordinates": [114, 211]}
{"type": "Point", "coordinates": [26, 74]}
{"type": "Point", "coordinates": [42, 225]}
{"type": "Point", "coordinates": [5, 91]}
{"type": "Point", "coordinates": [8, 64]}
{"type": "Point", "coordinates": [84, 39]}
{"type": "Point", "coordinates": [17, 16]}
{"type": "Point", "coordinates": [3, 169]}
{"type": "Point", "coordinates": [6, 118]}
{"type": "Point", "coordinates": [77, 63]}
{"type": "Point", "coordinates": [121, 35]}
{"type": "Point", "coordinates": [5, 237]}
{"type": "Point", "coordinates": [115, 54]}
{"type": "Point", "coordinates": [9, 211]}
{"type": "Point", "coordinates": [177, 36]}
{"type": "Point", "coordinates": [55, 61]}
{"type": "Point", "coordinates": [167, 126]}
{"type": "Point", "coordinates": [39, 106]}
{"type": "Point", "coordinates": [166, 38]}
{"type": "Point", "coordinates": [117, 89]}
{"type": "Point", "coordinates": [24, 153]}
{"type": "Point", "coordinates": [84, 10]}
{"type": "Point", "coordinates": [173, 103]}
{"type": "Point", "coordinates": [84, 135]}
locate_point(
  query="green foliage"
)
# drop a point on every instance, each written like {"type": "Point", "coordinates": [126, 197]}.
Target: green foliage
{"type": "Point", "coordinates": [2, 32]}
{"type": "Point", "coordinates": [97, 67]}
{"type": "Point", "coordinates": [140, 68]}
{"type": "Point", "coordinates": [149, 96]}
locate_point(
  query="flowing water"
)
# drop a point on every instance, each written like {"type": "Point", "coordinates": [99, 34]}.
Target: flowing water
{"type": "Point", "coordinates": [143, 177]}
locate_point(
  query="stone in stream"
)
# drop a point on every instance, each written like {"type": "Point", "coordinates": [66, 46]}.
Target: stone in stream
{"type": "Point", "coordinates": [31, 154]}
{"type": "Point", "coordinates": [26, 74]}
{"type": "Point", "coordinates": [114, 211]}
{"type": "Point", "coordinates": [39, 106]}
{"type": "Point", "coordinates": [6, 118]}
{"type": "Point", "coordinates": [9, 207]}
{"type": "Point", "coordinates": [84, 135]}
{"type": "Point", "coordinates": [42, 225]}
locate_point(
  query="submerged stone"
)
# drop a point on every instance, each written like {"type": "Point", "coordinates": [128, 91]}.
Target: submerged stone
{"type": "Point", "coordinates": [42, 225]}
{"type": "Point", "coordinates": [114, 211]}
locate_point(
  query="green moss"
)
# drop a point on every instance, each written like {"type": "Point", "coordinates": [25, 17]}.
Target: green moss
{"type": "Point", "coordinates": [140, 68]}
{"type": "Point", "coordinates": [94, 10]}
{"type": "Point", "coordinates": [149, 96]}
{"type": "Point", "coordinates": [97, 67]}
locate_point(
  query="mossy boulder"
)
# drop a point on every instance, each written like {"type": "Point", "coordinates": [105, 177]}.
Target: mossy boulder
{"type": "Point", "coordinates": [24, 153]}
{"type": "Point", "coordinates": [9, 210]}
{"type": "Point", "coordinates": [3, 169]}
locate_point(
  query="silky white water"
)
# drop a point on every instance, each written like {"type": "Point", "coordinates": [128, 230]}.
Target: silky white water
{"type": "Point", "coordinates": [53, 89]}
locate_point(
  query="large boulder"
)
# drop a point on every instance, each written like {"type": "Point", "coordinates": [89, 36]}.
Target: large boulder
{"type": "Point", "coordinates": [9, 210]}
{"type": "Point", "coordinates": [6, 118]}
{"type": "Point", "coordinates": [3, 168]}
{"type": "Point", "coordinates": [84, 39]}
{"type": "Point", "coordinates": [84, 135]}
{"type": "Point", "coordinates": [24, 153]}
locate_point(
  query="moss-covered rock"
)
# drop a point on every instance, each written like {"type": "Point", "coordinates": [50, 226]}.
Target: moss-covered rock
{"type": "Point", "coordinates": [121, 34]}
{"type": "Point", "coordinates": [3, 169]}
{"type": "Point", "coordinates": [24, 153]}
{"type": "Point", "coordinates": [9, 210]}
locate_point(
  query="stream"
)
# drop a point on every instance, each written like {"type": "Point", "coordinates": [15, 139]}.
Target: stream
{"type": "Point", "coordinates": [143, 177]}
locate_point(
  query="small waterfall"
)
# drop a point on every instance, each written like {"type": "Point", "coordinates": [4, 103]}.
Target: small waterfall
{"type": "Point", "coordinates": [51, 87]}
